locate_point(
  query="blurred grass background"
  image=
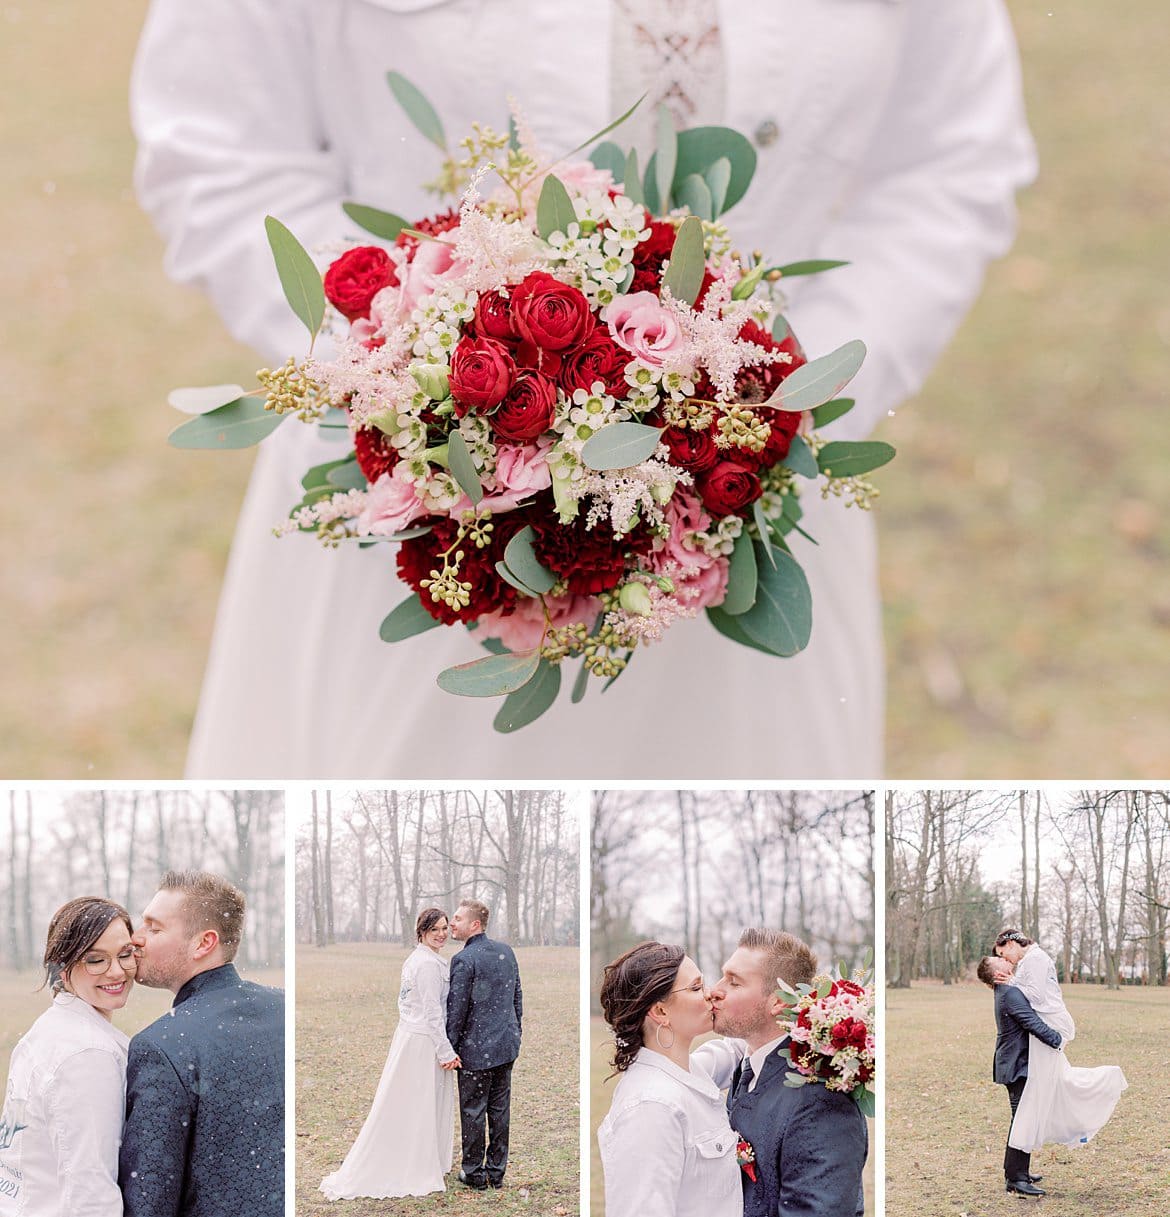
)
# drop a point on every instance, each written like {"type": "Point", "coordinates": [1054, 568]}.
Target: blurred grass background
{"type": "Point", "coordinates": [1024, 526]}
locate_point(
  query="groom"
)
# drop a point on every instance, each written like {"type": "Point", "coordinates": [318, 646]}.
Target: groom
{"type": "Point", "coordinates": [204, 1133]}
{"type": "Point", "coordinates": [1015, 1020]}
{"type": "Point", "coordinates": [484, 1009]}
{"type": "Point", "coordinates": [810, 1143]}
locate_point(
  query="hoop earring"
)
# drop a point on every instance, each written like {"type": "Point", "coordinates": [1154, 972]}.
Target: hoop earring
{"type": "Point", "coordinates": [658, 1037]}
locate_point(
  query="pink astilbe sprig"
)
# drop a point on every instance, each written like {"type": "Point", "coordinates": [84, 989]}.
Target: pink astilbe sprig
{"type": "Point", "coordinates": [371, 381]}
{"type": "Point", "coordinates": [665, 607]}
{"type": "Point", "coordinates": [494, 252]}
{"type": "Point", "coordinates": [711, 337]}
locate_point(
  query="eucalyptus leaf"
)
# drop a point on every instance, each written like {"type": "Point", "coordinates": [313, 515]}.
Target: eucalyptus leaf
{"type": "Point", "coordinates": [580, 685]}
{"type": "Point", "coordinates": [822, 416]}
{"type": "Point", "coordinates": [463, 467]}
{"type": "Point", "coordinates": [492, 645]}
{"type": "Point", "coordinates": [299, 276]}
{"type": "Point", "coordinates": [631, 182]}
{"type": "Point", "coordinates": [384, 224]}
{"type": "Point", "coordinates": [205, 399]}
{"type": "Point", "coordinates": [845, 458]}
{"type": "Point", "coordinates": [513, 134]}
{"type": "Point", "coordinates": [867, 1103]}
{"type": "Point", "coordinates": [405, 620]}
{"type": "Point", "coordinates": [528, 703]}
{"type": "Point", "coordinates": [821, 380]}
{"type": "Point", "coordinates": [347, 476]}
{"type": "Point", "coordinates": [508, 577]}
{"type": "Point", "coordinates": [718, 178]}
{"type": "Point", "coordinates": [318, 475]}
{"type": "Point", "coordinates": [764, 530]}
{"type": "Point", "coordinates": [418, 109]}
{"type": "Point", "coordinates": [794, 1080]}
{"type": "Point", "coordinates": [491, 676]}
{"type": "Point", "coordinates": [800, 458]}
{"type": "Point", "coordinates": [608, 155]}
{"type": "Point", "coordinates": [684, 274]}
{"type": "Point", "coordinates": [741, 577]}
{"type": "Point", "coordinates": [665, 158]}
{"type": "Point", "coordinates": [780, 328]}
{"type": "Point", "coordinates": [522, 561]}
{"type": "Point", "coordinates": [814, 267]}
{"type": "Point", "coordinates": [696, 151]}
{"type": "Point", "coordinates": [781, 618]}
{"type": "Point", "coordinates": [239, 424]}
{"type": "Point", "coordinates": [695, 195]}
{"type": "Point", "coordinates": [824, 989]}
{"type": "Point", "coordinates": [729, 627]}
{"type": "Point", "coordinates": [620, 446]}
{"type": "Point", "coordinates": [554, 208]}
{"type": "Point", "coordinates": [617, 122]}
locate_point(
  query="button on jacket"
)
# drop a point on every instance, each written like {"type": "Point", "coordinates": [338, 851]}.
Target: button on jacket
{"type": "Point", "coordinates": [62, 1120]}
{"type": "Point", "coordinates": [667, 1147]}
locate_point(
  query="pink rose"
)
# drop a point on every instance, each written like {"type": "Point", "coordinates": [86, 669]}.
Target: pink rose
{"type": "Point", "coordinates": [645, 327]}
{"type": "Point", "coordinates": [583, 177]}
{"type": "Point", "coordinates": [522, 469]}
{"type": "Point", "coordinates": [433, 262]}
{"type": "Point", "coordinates": [391, 505]}
{"type": "Point", "coordinates": [706, 584]}
{"type": "Point", "coordinates": [522, 629]}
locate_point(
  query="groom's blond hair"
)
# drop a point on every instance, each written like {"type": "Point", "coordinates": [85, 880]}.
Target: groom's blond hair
{"type": "Point", "coordinates": [209, 903]}
{"type": "Point", "coordinates": [788, 958]}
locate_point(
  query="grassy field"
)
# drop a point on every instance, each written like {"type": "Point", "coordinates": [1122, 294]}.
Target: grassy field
{"type": "Point", "coordinates": [600, 1096]}
{"type": "Point", "coordinates": [947, 1121]}
{"type": "Point", "coordinates": [21, 1004]}
{"type": "Point", "coordinates": [346, 1015]}
{"type": "Point", "coordinates": [1026, 583]}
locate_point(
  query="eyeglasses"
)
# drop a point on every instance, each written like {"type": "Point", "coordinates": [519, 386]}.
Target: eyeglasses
{"type": "Point", "coordinates": [98, 964]}
{"type": "Point", "coordinates": [696, 986]}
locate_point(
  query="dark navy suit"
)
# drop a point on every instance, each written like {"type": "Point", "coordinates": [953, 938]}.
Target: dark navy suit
{"type": "Point", "coordinates": [484, 1012]}
{"type": "Point", "coordinates": [204, 1133]}
{"type": "Point", "coordinates": [810, 1145]}
{"type": "Point", "coordinates": [1015, 1020]}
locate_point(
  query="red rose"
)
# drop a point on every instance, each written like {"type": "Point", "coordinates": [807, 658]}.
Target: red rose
{"type": "Point", "coordinates": [482, 372]}
{"type": "Point", "coordinates": [691, 450]}
{"type": "Point", "coordinates": [548, 313]}
{"type": "Point", "coordinates": [529, 408]}
{"type": "Point", "coordinates": [493, 317]}
{"type": "Point", "coordinates": [356, 278]}
{"type": "Point", "coordinates": [728, 488]}
{"type": "Point", "coordinates": [597, 358]}
{"type": "Point", "coordinates": [375, 453]}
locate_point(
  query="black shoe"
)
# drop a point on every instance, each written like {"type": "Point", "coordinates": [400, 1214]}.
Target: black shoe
{"type": "Point", "coordinates": [1024, 1187]}
{"type": "Point", "coordinates": [476, 1185]}
{"type": "Point", "coordinates": [496, 1183]}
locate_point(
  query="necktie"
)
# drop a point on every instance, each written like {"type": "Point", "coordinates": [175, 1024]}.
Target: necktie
{"type": "Point", "coordinates": [745, 1078]}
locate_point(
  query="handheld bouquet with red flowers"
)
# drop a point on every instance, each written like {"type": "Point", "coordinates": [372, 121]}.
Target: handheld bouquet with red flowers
{"type": "Point", "coordinates": [575, 411]}
{"type": "Point", "coordinates": [830, 1029]}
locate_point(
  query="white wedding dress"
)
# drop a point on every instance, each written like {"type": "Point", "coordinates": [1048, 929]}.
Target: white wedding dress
{"type": "Point", "coordinates": [890, 133]}
{"type": "Point", "coordinates": [407, 1143]}
{"type": "Point", "coordinates": [1061, 1103]}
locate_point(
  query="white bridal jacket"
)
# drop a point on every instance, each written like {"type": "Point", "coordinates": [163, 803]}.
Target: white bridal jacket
{"type": "Point", "coordinates": [62, 1121]}
{"type": "Point", "coordinates": [667, 1148]}
{"type": "Point", "coordinates": [422, 999]}
{"type": "Point", "coordinates": [890, 133]}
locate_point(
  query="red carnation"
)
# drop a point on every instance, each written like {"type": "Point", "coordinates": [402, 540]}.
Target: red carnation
{"type": "Point", "coordinates": [590, 560]}
{"type": "Point", "coordinates": [493, 317]}
{"type": "Point", "coordinates": [482, 372]}
{"type": "Point", "coordinates": [598, 358]}
{"type": "Point", "coordinates": [728, 488]}
{"type": "Point", "coordinates": [433, 226]}
{"type": "Point", "coordinates": [548, 313]}
{"type": "Point", "coordinates": [849, 986]}
{"type": "Point", "coordinates": [528, 410]}
{"type": "Point", "coordinates": [691, 450]}
{"type": "Point", "coordinates": [418, 557]}
{"type": "Point", "coordinates": [353, 281]}
{"type": "Point", "coordinates": [375, 453]}
{"type": "Point", "coordinates": [650, 254]}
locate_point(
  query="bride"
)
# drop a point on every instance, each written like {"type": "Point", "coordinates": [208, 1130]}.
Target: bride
{"type": "Point", "coordinates": [667, 1146]}
{"type": "Point", "coordinates": [407, 1143]}
{"type": "Point", "coordinates": [66, 1092]}
{"type": "Point", "coordinates": [1061, 1103]}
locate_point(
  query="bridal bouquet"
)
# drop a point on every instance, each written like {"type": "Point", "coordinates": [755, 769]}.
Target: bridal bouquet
{"type": "Point", "coordinates": [575, 410]}
{"type": "Point", "coordinates": [831, 1038]}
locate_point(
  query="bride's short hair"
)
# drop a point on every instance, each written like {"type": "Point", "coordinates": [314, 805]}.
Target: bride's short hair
{"type": "Point", "coordinates": [789, 959]}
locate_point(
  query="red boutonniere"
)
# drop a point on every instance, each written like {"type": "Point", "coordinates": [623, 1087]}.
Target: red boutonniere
{"type": "Point", "coordinates": [746, 1157]}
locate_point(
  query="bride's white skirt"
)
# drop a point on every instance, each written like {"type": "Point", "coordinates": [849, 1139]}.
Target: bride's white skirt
{"type": "Point", "coordinates": [300, 686]}
{"type": "Point", "coordinates": [407, 1143]}
{"type": "Point", "coordinates": [1061, 1103]}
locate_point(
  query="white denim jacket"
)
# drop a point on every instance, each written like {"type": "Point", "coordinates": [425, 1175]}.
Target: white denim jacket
{"type": "Point", "coordinates": [667, 1147]}
{"type": "Point", "coordinates": [62, 1121]}
{"type": "Point", "coordinates": [422, 999]}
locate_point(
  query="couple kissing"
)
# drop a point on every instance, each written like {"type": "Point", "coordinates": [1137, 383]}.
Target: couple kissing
{"type": "Point", "coordinates": [673, 1144]}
